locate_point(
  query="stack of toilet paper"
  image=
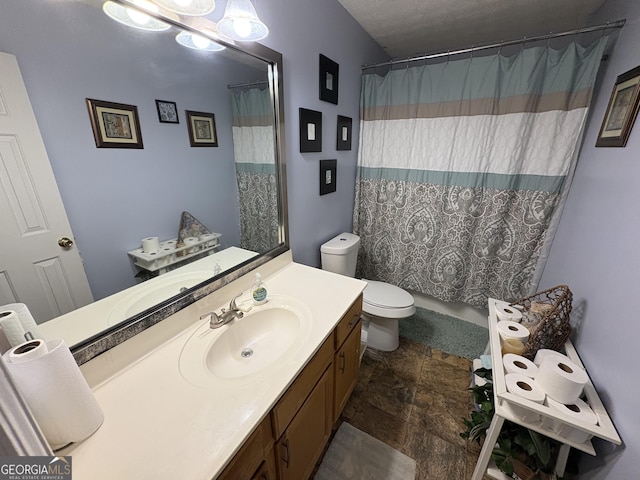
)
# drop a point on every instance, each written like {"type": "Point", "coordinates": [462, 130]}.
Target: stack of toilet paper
{"type": "Point", "coordinates": [553, 380]}
{"type": "Point", "coordinates": [55, 391]}
{"type": "Point", "coordinates": [16, 326]}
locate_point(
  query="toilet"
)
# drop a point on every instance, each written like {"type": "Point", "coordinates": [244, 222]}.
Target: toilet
{"type": "Point", "coordinates": [383, 304]}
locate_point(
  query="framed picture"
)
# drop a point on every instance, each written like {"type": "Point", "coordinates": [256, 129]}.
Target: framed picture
{"type": "Point", "coordinates": [343, 140]}
{"type": "Point", "coordinates": [202, 129]}
{"type": "Point", "coordinates": [621, 111]}
{"type": "Point", "coordinates": [310, 130]}
{"type": "Point", "coordinates": [115, 125]}
{"type": "Point", "coordinates": [167, 111]}
{"type": "Point", "coordinates": [328, 80]}
{"type": "Point", "coordinates": [328, 170]}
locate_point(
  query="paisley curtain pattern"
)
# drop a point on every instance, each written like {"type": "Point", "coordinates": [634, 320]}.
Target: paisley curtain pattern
{"type": "Point", "coordinates": [462, 168]}
{"type": "Point", "coordinates": [253, 145]}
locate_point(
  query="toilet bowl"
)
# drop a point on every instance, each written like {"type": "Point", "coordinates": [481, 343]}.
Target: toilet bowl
{"type": "Point", "coordinates": [383, 304]}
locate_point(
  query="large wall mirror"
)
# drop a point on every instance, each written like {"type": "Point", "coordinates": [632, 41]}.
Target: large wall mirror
{"type": "Point", "coordinates": [227, 192]}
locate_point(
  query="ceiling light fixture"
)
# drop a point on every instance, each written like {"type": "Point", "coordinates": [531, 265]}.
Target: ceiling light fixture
{"type": "Point", "coordinates": [198, 42]}
{"type": "Point", "coordinates": [188, 7]}
{"type": "Point", "coordinates": [135, 18]}
{"type": "Point", "coordinates": [241, 23]}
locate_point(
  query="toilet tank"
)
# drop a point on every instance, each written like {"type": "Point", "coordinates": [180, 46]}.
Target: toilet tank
{"type": "Point", "coordinates": [340, 254]}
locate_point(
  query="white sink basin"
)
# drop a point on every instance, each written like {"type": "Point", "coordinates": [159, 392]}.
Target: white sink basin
{"type": "Point", "coordinates": [154, 291]}
{"type": "Point", "coordinates": [264, 338]}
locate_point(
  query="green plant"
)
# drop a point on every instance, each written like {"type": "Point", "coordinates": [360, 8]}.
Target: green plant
{"type": "Point", "coordinates": [517, 449]}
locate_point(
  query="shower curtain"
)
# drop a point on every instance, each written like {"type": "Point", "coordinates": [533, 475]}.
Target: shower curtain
{"type": "Point", "coordinates": [253, 145]}
{"type": "Point", "coordinates": [462, 167]}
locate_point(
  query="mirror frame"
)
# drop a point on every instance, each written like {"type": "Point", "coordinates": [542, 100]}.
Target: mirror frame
{"type": "Point", "coordinates": [113, 336]}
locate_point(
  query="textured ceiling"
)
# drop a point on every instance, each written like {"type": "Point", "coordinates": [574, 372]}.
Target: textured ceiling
{"type": "Point", "coordinates": [411, 27]}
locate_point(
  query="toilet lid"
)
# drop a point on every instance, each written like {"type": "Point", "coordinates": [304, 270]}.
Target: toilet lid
{"type": "Point", "coordinates": [385, 295]}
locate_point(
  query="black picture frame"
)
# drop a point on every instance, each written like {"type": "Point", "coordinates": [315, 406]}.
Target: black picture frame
{"type": "Point", "coordinates": [343, 133]}
{"type": "Point", "coordinates": [328, 170]}
{"type": "Point", "coordinates": [622, 110]}
{"type": "Point", "coordinates": [202, 129]}
{"type": "Point", "coordinates": [167, 111]}
{"type": "Point", "coordinates": [328, 80]}
{"type": "Point", "coordinates": [310, 130]}
{"type": "Point", "coordinates": [115, 125]}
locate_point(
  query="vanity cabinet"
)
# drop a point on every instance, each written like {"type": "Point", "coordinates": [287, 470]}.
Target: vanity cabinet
{"type": "Point", "coordinates": [291, 439]}
{"type": "Point", "coordinates": [346, 368]}
{"type": "Point", "coordinates": [255, 460]}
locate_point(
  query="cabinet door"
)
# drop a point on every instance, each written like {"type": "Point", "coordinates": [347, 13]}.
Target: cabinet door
{"type": "Point", "coordinates": [304, 440]}
{"type": "Point", "coordinates": [347, 366]}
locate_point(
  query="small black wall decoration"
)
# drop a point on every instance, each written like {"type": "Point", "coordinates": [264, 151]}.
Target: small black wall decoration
{"type": "Point", "coordinates": [328, 80]}
{"type": "Point", "coordinates": [328, 170]}
{"type": "Point", "coordinates": [310, 130]}
{"type": "Point", "coordinates": [343, 140]}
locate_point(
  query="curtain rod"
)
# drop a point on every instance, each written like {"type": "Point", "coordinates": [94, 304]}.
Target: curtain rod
{"type": "Point", "coordinates": [249, 84]}
{"type": "Point", "coordinates": [549, 36]}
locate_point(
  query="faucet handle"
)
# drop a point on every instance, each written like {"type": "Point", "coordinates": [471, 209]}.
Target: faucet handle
{"type": "Point", "coordinates": [214, 320]}
{"type": "Point", "coordinates": [232, 305]}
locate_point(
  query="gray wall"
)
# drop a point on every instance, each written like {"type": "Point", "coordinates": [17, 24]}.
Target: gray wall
{"type": "Point", "coordinates": [595, 252]}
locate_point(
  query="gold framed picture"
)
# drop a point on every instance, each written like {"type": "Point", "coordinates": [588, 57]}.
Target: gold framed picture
{"type": "Point", "coordinates": [115, 125]}
{"type": "Point", "coordinates": [202, 129]}
{"type": "Point", "coordinates": [622, 110]}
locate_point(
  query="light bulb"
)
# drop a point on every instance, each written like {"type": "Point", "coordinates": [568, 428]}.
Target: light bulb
{"type": "Point", "coordinates": [242, 27]}
{"type": "Point", "coordinates": [138, 17]}
{"type": "Point", "coordinates": [199, 41]}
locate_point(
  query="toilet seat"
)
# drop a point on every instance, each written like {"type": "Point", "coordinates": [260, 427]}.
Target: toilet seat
{"type": "Point", "coordinates": [387, 301]}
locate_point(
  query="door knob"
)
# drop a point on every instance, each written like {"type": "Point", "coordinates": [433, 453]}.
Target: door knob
{"type": "Point", "coordinates": [65, 242]}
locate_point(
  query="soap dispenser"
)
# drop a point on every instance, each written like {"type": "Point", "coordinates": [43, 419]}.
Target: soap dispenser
{"type": "Point", "coordinates": [259, 291]}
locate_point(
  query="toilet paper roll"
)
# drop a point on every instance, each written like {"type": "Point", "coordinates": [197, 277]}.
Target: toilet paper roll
{"type": "Point", "coordinates": [561, 379]}
{"type": "Point", "coordinates": [505, 311]}
{"type": "Point", "coordinates": [55, 391]}
{"type": "Point", "coordinates": [191, 240]}
{"type": "Point", "coordinates": [579, 411]}
{"type": "Point", "coordinates": [524, 387]}
{"type": "Point", "coordinates": [509, 329]}
{"type": "Point", "coordinates": [27, 321]}
{"type": "Point", "coordinates": [150, 244]}
{"type": "Point", "coordinates": [517, 364]}
{"type": "Point", "coordinates": [512, 345]}
{"type": "Point", "coordinates": [545, 352]}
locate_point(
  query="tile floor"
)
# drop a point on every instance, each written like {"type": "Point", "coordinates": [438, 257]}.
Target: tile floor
{"type": "Point", "coordinates": [413, 399]}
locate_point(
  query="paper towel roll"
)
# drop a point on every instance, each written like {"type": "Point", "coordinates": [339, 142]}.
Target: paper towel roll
{"type": "Point", "coordinates": [29, 325]}
{"type": "Point", "coordinates": [12, 328]}
{"type": "Point", "coordinates": [517, 364]}
{"type": "Point", "coordinates": [55, 391]}
{"type": "Point", "coordinates": [561, 379]}
{"type": "Point", "coordinates": [150, 245]}
{"type": "Point", "coordinates": [579, 411]}
{"type": "Point", "coordinates": [524, 387]}
{"type": "Point", "coordinates": [505, 311]}
{"type": "Point", "coordinates": [545, 352]}
{"type": "Point", "coordinates": [509, 329]}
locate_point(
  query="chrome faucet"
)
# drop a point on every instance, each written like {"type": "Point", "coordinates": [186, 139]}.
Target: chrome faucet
{"type": "Point", "coordinates": [225, 316]}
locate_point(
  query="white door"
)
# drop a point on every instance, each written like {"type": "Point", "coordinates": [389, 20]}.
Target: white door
{"type": "Point", "coordinates": [34, 268]}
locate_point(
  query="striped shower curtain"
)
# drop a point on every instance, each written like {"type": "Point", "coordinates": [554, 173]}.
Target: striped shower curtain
{"type": "Point", "coordinates": [253, 144]}
{"type": "Point", "coordinates": [462, 167]}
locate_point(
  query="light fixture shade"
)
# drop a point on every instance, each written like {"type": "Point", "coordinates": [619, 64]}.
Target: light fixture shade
{"type": "Point", "coordinates": [135, 18]}
{"type": "Point", "coordinates": [188, 7]}
{"type": "Point", "coordinates": [198, 42]}
{"type": "Point", "coordinates": [240, 22]}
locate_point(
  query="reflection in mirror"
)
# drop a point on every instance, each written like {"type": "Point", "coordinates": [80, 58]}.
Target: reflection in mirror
{"type": "Point", "coordinates": [110, 199]}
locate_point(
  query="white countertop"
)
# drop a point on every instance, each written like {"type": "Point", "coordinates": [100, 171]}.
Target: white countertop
{"type": "Point", "coordinates": [159, 426]}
